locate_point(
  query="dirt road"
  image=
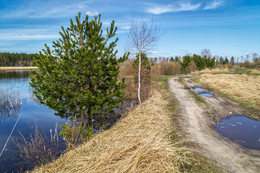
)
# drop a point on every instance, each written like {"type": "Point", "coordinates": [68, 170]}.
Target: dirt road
{"type": "Point", "coordinates": [198, 124]}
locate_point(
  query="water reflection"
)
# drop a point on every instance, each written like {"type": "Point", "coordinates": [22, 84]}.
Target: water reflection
{"type": "Point", "coordinates": [14, 86]}
{"type": "Point", "coordinates": [242, 130]}
{"type": "Point", "coordinates": [10, 104]}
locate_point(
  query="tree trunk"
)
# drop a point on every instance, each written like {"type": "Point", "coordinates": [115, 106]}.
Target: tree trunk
{"type": "Point", "coordinates": [139, 77]}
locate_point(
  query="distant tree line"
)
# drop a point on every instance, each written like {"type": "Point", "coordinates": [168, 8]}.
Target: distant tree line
{"type": "Point", "coordinates": [16, 59]}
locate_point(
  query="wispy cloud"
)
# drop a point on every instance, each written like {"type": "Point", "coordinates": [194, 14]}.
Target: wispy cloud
{"type": "Point", "coordinates": [160, 10]}
{"type": "Point", "coordinates": [213, 5]}
{"type": "Point", "coordinates": [173, 8]}
{"type": "Point", "coordinates": [92, 13]}
{"type": "Point", "coordinates": [126, 27]}
{"type": "Point", "coordinates": [187, 7]}
{"type": "Point", "coordinates": [28, 36]}
{"type": "Point", "coordinates": [153, 52]}
{"type": "Point", "coordinates": [39, 10]}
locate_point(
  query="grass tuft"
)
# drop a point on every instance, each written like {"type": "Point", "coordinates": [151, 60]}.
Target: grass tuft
{"type": "Point", "coordinates": [243, 89]}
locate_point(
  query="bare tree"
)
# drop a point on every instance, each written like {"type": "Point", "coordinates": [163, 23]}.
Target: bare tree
{"type": "Point", "coordinates": [205, 52]}
{"type": "Point", "coordinates": [143, 36]}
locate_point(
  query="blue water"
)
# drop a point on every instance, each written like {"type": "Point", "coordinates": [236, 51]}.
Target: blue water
{"type": "Point", "coordinates": [207, 95]}
{"type": "Point", "coordinates": [242, 130]}
{"type": "Point", "coordinates": [31, 114]}
{"type": "Point", "coordinates": [197, 89]}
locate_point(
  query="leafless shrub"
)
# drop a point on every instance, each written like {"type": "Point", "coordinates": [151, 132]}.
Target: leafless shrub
{"type": "Point", "coordinates": [169, 68]}
{"type": "Point", "coordinates": [39, 149]}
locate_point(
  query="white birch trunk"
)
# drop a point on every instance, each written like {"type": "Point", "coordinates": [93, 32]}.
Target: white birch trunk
{"type": "Point", "coordinates": [139, 77]}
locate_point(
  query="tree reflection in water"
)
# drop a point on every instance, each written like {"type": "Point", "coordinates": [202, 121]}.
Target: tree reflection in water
{"type": "Point", "coordinates": [10, 104]}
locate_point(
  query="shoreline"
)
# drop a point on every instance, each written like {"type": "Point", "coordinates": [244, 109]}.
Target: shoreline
{"type": "Point", "coordinates": [17, 68]}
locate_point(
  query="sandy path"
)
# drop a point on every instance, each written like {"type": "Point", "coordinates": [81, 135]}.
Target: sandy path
{"type": "Point", "coordinates": [198, 125]}
{"type": "Point", "coordinates": [17, 68]}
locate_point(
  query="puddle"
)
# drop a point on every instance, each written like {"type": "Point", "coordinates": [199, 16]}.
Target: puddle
{"type": "Point", "coordinates": [197, 89]}
{"type": "Point", "coordinates": [207, 95]}
{"type": "Point", "coordinates": [242, 130]}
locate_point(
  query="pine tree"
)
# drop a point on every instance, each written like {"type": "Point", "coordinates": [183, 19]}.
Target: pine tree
{"type": "Point", "coordinates": [186, 61]}
{"type": "Point", "coordinates": [79, 76]}
{"type": "Point", "coordinates": [200, 63]}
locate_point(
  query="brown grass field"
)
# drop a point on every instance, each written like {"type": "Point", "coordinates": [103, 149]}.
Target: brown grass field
{"type": "Point", "coordinates": [243, 88]}
{"type": "Point", "coordinates": [215, 70]}
{"type": "Point", "coordinates": [17, 68]}
{"type": "Point", "coordinates": [137, 143]}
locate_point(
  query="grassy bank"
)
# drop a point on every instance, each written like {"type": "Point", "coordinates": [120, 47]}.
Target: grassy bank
{"type": "Point", "coordinates": [17, 68]}
{"type": "Point", "coordinates": [145, 140]}
{"type": "Point", "coordinates": [243, 89]}
{"type": "Point", "coordinates": [137, 143]}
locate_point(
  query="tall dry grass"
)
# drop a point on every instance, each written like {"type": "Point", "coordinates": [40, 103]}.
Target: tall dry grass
{"type": "Point", "coordinates": [214, 70]}
{"type": "Point", "coordinates": [137, 143]}
{"type": "Point", "coordinates": [39, 149]}
{"type": "Point", "coordinates": [168, 68]}
{"type": "Point", "coordinates": [245, 88]}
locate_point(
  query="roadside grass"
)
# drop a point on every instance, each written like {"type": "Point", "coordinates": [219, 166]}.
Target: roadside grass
{"type": "Point", "coordinates": [199, 99]}
{"type": "Point", "coordinates": [242, 70]}
{"type": "Point", "coordinates": [243, 89]}
{"type": "Point", "coordinates": [190, 159]}
{"type": "Point", "coordinates": [234, 70]}
{"type": "Point", "coordinates": [180, 80]}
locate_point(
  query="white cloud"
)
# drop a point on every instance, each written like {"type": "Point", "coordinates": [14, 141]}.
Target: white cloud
{"type": "Point", "coordinates": [42, 9]}
{"type": "Point", "coordinates": [82, 6]}
{"type": "Point", "coordinates": [92, 13]}
{"type": "Point", "coordinates": [186, 7]}
{"type": "Point", "coordinates": [126, 27]}
{"type": "Point", "coordinates": [152, 52]}
{"type": "Point", "coordinates": [160, 10]}
{"type": "Point", "coordinates": [174, 8]}
{"type": "Point", "coordinates": [213, 5]}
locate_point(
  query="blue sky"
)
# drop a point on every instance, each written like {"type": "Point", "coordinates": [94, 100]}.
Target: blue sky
{"type": "Point", "coordinates": [226, 27]}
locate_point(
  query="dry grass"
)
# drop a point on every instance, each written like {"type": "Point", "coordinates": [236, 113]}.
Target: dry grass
{"type": "Point", "coordinates": [256, 71]}
{"type": "Point", "coordinates": [39, 149]}
{"type": "Point", "coordinates": [215, 70]}
{"type": "Point", "coordinates": [245, 88]}
{"type": "Point", "coordinates": [138, 142]}
{"type": "Point", "coordinates": [17, 68]}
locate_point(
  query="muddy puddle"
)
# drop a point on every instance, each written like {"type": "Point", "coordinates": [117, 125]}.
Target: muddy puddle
{"type": "Point", "coordinates": [242, 130]}
{"type": "Point", "coordinates": [206, 95]}
{"type": "Point", "coordinates": [197, 89]}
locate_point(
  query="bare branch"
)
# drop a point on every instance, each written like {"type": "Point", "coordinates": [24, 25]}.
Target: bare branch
{"type": "Point", "coordinates": [143, 35]}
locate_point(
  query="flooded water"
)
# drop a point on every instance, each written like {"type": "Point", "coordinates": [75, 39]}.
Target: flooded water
{"type": "Point", "coordinates": [242, 130]}
{"type": "Point", "coordinates": [197, 89]}
{"type": "Point", "coordinates": [207, 95]}
{"type": "Point", "coordinates": [28, 114]}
